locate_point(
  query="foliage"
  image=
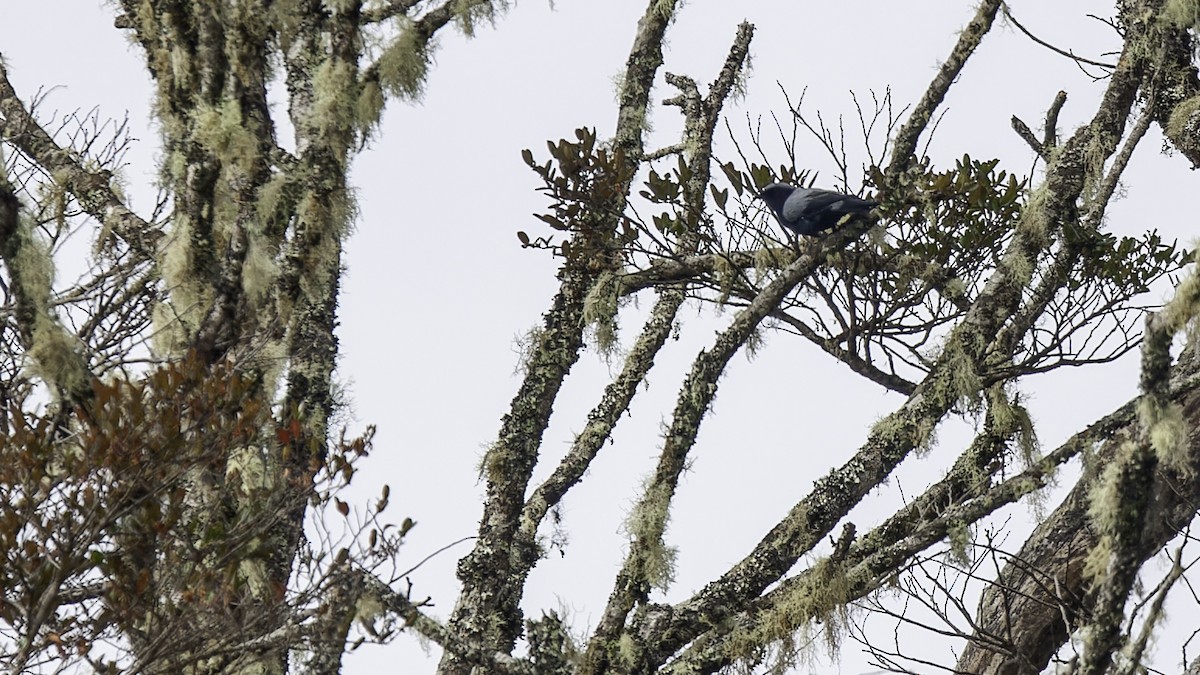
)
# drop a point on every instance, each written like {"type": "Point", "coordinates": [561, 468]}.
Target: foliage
{"type": "Point", "coordinates": [129, 536]}
{"type": "Point", "coordinates": [173, 478]}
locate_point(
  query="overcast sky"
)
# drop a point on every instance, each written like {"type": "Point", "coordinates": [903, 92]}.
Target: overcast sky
{"type": "Point", "coordinates": [438, 288]}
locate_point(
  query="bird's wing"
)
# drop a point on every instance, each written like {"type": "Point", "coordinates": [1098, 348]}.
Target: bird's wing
{"type": "Point", "coordinates": [803, 203]}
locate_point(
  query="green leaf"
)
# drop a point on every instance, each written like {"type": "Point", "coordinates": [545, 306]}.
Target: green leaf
{"type": "Point", "coordinates": [721, 197]}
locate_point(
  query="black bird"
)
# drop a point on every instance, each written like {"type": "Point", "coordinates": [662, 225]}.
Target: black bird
{"type": "Point", "coordinates": [809, 210]}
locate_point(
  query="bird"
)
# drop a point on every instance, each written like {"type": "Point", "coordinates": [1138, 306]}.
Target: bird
{"type": "Point", "coordinates": [810, 211]}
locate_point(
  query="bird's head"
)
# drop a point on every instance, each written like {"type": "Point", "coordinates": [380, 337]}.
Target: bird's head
{"type": "Point", "coordinates": [775, 195]}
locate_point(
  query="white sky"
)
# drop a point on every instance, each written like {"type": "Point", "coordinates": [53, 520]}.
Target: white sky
{"type": "Point", "coordinates": [438, 286]}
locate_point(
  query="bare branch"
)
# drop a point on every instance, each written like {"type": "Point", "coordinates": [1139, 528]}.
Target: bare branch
{"type": "Point", "coordinates": [1070, 55]}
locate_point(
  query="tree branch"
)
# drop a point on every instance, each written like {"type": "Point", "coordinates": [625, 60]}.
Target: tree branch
{"type": "Point", "coordinates": [91, 188]}
{"type": "Point", "coordinates": [968, 41]}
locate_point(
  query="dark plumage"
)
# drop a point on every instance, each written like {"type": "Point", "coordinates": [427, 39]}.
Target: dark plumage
{"type": "Point", "coordinates": [808, 210]}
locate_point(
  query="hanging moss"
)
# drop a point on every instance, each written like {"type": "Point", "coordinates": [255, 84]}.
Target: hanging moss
{"type": "Point", "coordinates": [647, 523]}
{"type": "Point", "coordinates": [247, 468]}
{"type": "Point", "coordinates": [755, 341]}
{"type": "Point", "coordinates": [788, 624]}
{"type": "Point", "coordinates": [468, 14]}
{"type": "Point", "coordinates": [1104, 507]}
{"type": "Point", "coordinates": [260, 268]}
{"type": "Point", "coordinates": [600, 309]}
{"type": "Point", "coordinates": [959, 376]}
{"type": "Point", "coordinates": [958, 535]}
{"type": "Point", "coordinates": [1009, 418]}
{"type": "Point", "coordinates": [771, 258]}
{"type": "Point", "coordinates": [53, 351]}
{"type": "Point", "coordinates": [1185, 305]}
{"type": "Point", "coordinates": [1185, 118]}
{"type": "Point", "coordinates": [1167, 432]}
{"type": "Point", "coordinates": [527, 347]}
{"type": "Point", "coordinates": [335, 99]}
{"type": "Point", "coordinates": [404, 64]}
{"type": "Point", "coordinates": [368, 108]}
{"type": "Point", "coordinates": [222, 131]}
{"type": "Point", "coordinates": [1182, 13]}
{"type": "Point", "coordinates": [189, 299]}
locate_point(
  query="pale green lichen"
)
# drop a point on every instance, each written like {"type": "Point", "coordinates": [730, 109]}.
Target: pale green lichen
{"type": "Point", "coordinates": [368, 108]}
{"type": "Point", "coordinates": [1167, 432]}
{"type": "Point", "coordinates": [769, 258]}
{"type": "Point", "coordinates": [33, 265]}
{"type": "Point", "coordinates": [634, 122]}
{"type": "Point", "coordinates": [925, 434]}
{"type": "Point", "coordinates": [404, 64]}
{"type": "Point", "coordinates": [646, 524]}
{"type": "Point", "coordinates": [955, 289]}
{"type": "Point", "coordinates": [627, 649]}
{"type": "Point", "coordinates": [271, 357]}
{"type": "Point", "coordinates": [248, 468]}
{"type": "Point", "coordinates": [468, 14]}
{"type": "Point", "coordinates": [1105, 507]}
{"type": "Point", "coordinates": [53, 351]}
{"type": "Point", "coordinates": [328, 219]}
{"type": "Point", "coordinates": [368, 609]}
{"type": "Point", "coordinates": [782, 635]}
{"type": "Point", "coordinates": [1034, 222]}
{"type": "Point", "coordinates": [961, 378]}
{"type": "Point", "coordinates": [253, 573]}
{"type": "Point", "coordinates": [222, 131]}
{"type": "Point", "coordinates": [1184, 118]}
{"type": "Point", "coordinates": [1009, 418]}
{"type": "Point", "coordinates": [600, 309]}
{"type": "Point", "coordinates": [1182, 13]}
{"type": "Point", "coordinates": [958, 534]}
{"type": "Point", "coordinates": [270, 196]}
{"type": "Point", "coordinates": [527, 346]}
{"type": "Point", "coordinates": [260, 268]}
{"type": "Point", "coordinates": [1162, 421]}
{"type": "Point", "coordinates": [334, 111]}
{"type": "Point", "coordinates": [1098, 559]}
{"type": "Point", "coordinates": [897, 429]}
{"type": "Point", "coordinates": [177, 319]}
{"type": "Point", "coordinates": [1185, 305]}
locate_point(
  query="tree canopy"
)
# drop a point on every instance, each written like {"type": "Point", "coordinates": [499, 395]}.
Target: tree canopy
{"type": "Point", "coordinates": [176, 468]}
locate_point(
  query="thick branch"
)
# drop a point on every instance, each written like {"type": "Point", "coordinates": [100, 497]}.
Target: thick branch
{"type": "Point", "coordinates": [696, 394]}
{"type": "Point", "coordinates": [1029, 601]}
{"type": "Point", "coordinates": [868, 564]}
{"type": "Point", "coordinates": [968, 41]}
{"type": "Point", "coordinates": [603, 418]}
{"type": "Point", "coordinates": [91, 188]}
{"type": "Point", "coordinates": [1177, 108]}
{"type": "Point", "coordinates": [493, 573]}
{"type": "Point", "coordinates": [700, 117]}
{"type": "Point", "coordinates": [894, 437]}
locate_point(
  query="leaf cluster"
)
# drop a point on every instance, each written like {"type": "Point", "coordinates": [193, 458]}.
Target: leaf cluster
{"type": "Point", "coordinates": [586, 185]}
